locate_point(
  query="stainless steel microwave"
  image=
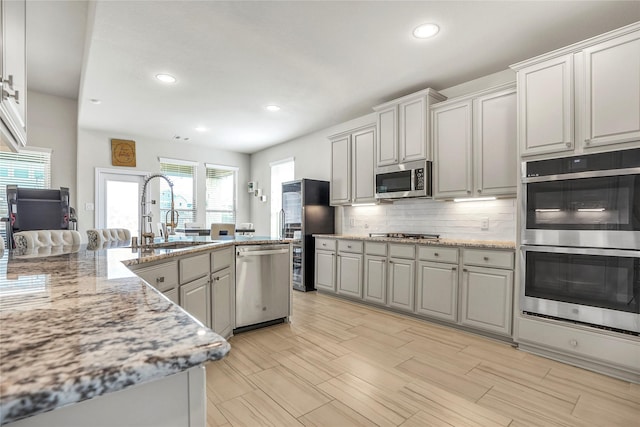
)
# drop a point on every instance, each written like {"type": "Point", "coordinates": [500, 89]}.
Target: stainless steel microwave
{"type": "Point", "coordinates": [411, 179]}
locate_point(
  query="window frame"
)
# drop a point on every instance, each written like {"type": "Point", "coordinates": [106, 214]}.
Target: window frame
{"type": "Point", "coordinates": [234, 210]}
{"type": "Point", "coordinates": [194, 178]}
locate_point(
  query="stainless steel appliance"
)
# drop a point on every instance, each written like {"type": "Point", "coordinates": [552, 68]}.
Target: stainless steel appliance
{"type": "Point", "coordinates": [580, 258]}
{"type": "Point", "coordinates": [305, 211]}
{"type": "Point", "coordinates": [412, 179]}
{"type": "Point", "coordinates": [262, 285]}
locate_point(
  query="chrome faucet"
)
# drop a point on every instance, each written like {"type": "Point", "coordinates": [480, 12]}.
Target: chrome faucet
{"type": "Point", "coordinates": [146, 237]}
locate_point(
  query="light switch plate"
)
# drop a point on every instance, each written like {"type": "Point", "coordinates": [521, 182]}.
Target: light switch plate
{"type": "Point", "coordinates": [88, 206]}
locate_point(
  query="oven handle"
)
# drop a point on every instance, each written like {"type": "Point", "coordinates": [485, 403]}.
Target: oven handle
{"type": "Point", "coordinates": [581, 251]}
{"type": "Point", "coordinates": [579, 175]}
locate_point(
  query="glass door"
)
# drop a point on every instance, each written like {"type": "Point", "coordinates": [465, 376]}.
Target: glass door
{"type": "Point", "coordinates": [118, 200]}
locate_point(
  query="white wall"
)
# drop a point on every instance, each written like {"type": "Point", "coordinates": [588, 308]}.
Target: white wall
{"type": "Point", "coordinates": [94, 151]}
{"type": "Point", "coordinates": [312, 154]}
{"type": "Point", "coordinates": [448, 219]}
{"type": "Point", "coordinates": [52, 123]}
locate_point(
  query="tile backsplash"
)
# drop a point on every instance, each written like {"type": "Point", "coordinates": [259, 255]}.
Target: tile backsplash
{"type": "Point", "coordinates": [449, 219]}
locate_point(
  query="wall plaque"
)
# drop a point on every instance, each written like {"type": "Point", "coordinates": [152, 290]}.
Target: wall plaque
{"type": "Point", "coordinates": [123, 152]}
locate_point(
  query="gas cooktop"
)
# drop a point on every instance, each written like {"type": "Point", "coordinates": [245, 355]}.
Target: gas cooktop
{"type": "Point", "coordinates": [415, 236]}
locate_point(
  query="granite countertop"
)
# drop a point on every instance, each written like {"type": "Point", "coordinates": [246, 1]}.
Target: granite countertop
{"type": "Point", "coordinates": [465, 243]}
{"type": "Point", "coordinates": [76, 323]}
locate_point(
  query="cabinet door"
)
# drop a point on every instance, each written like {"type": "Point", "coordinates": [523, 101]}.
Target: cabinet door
{"type": "Point", "coordinates": [172, 295]}
{"type": "Point", "coordinates": [13, 67]}
{"type": "Point", "coordinates": [437, 290]}
{"type": "Point", "coordinates": [195, 299]}
{"type": "Point", "coordinates": [340, 171]}
{"type": "Point", "coordinates": [487, 295]}
{"type": "Point", "coordinates": [612, 91]}
{"type": "Point", "coordinates": [452, 151]}
{"type": "Point", "coordinates": [495, 144]}
{"type": "Point", "coordinates": [387, 137]}
{"type": "Point", "coordinates": [349, 277]}
{"type": "Point", "coordinates": [222, 302]}
{"type": "Point", "coordinates": [325, 270]}
{"type": "Point", "coordinates": [401, 283]}
{"type": "Point", "coordinates": [413, 130]}
{"type": "Point", "coordinates": [363, 166]}
{"type": "Point", "coordinates": [375, 279]}
{"type": "Point", "coordinates": [545, 102]}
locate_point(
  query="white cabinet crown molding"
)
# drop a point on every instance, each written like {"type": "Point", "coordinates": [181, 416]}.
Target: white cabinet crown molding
{"type": "Point", "coordinates": [471, 95]}
{"type": "Point", "coordinates": [425, 92]}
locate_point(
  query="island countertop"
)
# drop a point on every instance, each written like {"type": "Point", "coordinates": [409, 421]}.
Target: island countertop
{"type": "Point", "coordinates": [77, 323]}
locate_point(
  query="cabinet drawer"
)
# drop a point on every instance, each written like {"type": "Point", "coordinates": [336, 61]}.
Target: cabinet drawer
{"type": "Point", "coordinates": [438, 254]}
{"type": "Point", "coordinates": [350, 246]}
{"type": "Point", "coordinates": [163, 276]}
{"type": "Point", "coordinates": [402, 251]}
{"type": "Point", "coordinates": [193, 268]}
{"type": "Point", "coordinates": [605, 348]}
{"type": "Point", "coordinates": [222, 258]}
{"type": "Point", "coordinates": [486, 258]}
{"type": "Point", "coordinates": [375, 248]}
{"type": "Point", "coordinates": [325, 244]}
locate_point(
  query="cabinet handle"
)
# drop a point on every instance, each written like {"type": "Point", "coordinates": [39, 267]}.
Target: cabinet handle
{"type": "Point", "coordinates": [349, 246]}
{"type": "Point", "coordinates": [9, 81]}
{"type": "Point", "coordinates": [390, 262]}
{"type": "Point", "coordinates": [464, 270]}
{"type": "Point", "coordinates": [454, 268]}
{"type": "Point", "coordinates": [324, 244]}
{"type": "Point", "coordinates": [468, 191]}
{"type": "Point", "coordinates": [486, 258]}
{"type": "Point", "coordinates": [15, 94]}
{"type": "Point", "coordinates": [574, 343]}
{"type": "Point", "coordinates": [160, 279]}
{"type": "Point", "coordinates": [436, 254]}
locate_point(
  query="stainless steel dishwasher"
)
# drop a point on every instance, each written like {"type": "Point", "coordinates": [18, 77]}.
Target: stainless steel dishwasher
{"type": "Point", "coordinates": [263, 277]}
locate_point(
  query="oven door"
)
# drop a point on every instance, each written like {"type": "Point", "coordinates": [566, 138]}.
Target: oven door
{"type": "Point", "coordinates": [595, 286]}
{"type": "Point", "coordinates": [589, 209]}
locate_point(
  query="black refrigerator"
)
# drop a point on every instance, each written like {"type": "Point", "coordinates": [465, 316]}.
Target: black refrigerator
{"type": "Point", "coordinates": [305, 212]}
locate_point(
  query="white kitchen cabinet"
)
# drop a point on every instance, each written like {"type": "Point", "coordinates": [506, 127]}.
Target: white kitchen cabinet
{"type": "Point", "coordinates": [403, 128]}
{"type": "Point", "coordinates": [195, 298]}
{"type": "Point", "coordinates": [349, 268]}
{"type": "Point", "coordinates": [437, 282]}
{"type": "Point", "coordinates": [325, 270]}
{"type": "Point", "coordinates": [487, 291]}
{"type": "Point", "coordinates": [612, 91]}
{"type": "Point", "coordinates": [402, 274]}
{"type": "Point", "coordinates": [583, 98]}
{"type": "Point", "coordinates": [173, 295]}
{"type": "Point", "coordinates": [13, 71]}
{"type": "Point", "coordinates": [223, 301]}
{"type": "Point", "coordinates": [375, 272]}
{"type": "Point", "coordinates": [162, 276]}
{"type": "Point", "coordinates": [475, 145]}
{"type": "Point", "coordinates": [352, 166]}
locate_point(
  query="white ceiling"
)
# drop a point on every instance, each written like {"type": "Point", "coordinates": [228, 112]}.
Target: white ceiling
{"type": "Point", "coordinates": [322, 62]}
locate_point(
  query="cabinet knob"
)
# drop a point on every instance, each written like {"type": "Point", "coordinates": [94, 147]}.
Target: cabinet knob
{"type": "Point", "coordinates": [479, 190]}
{"type": "Point", "coordinates": [486, 258]}
{"type": "Point", "coordinates": [324, 244]}
{"type": "Point", "coordinates": [390, 262]}
{"type": "Point", "coordinates": [436, 254]}
{"type": "Point", "coordinates": [574, 343]}
{"type": "Point", "coordinates": [468, 191]}
{"type": "Point", "coordinates": [465, 270]}
{"type": "Point", "coordinates": [349, 246]}
{"type": "Point", "coordinates": [160, 279]}
{"type": "Point", "coordinates": [454, 268]}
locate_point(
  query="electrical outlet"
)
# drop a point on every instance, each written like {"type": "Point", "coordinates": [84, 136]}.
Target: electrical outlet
{"type": "Point", "coordinates": [484, 223]}
{"type": "Point", "coordinates": [352, 222]}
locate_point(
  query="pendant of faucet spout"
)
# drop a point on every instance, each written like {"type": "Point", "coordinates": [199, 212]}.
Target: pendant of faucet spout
{"type": "Point", "coordinates": [143, 203]}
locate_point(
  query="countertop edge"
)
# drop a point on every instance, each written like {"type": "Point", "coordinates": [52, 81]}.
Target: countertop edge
{"type": "Point", "coordinates": [464, 243]}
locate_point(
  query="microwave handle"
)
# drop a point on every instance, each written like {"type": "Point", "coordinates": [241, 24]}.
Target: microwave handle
{"type": "Point", "coordinates": [581, 251]}
{"type": "Point", "coordinates": [579, 175]}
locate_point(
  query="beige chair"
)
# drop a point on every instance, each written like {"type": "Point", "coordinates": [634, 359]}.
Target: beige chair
{"type": "Point", "coordinates": [222, 230]}
{"type": "Point", "coordinates": [29, 240]}
{"type": "Point", "coordinates": [107, 236]}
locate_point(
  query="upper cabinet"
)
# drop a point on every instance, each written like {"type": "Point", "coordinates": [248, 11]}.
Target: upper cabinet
{"type": "Point", "coordinates": [13, 71]}
{"type": "Point", "coordinates": [352, 166]}
{"type": "Point", "coordinates": [403, 128]}
{"type": "Point", "coordinates": [583, 97]}
{"type": "Point", "coordinates": [475, 145]}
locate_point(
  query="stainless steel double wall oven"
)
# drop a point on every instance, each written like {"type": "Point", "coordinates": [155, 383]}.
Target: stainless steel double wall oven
{"type": "Point", "coordinates": [580, 253]}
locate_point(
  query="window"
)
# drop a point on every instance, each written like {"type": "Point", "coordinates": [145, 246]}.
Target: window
{"type": "Point", "coordinates": [27, 168]}
{"type": "Point", "coordinates": [281, 171]}
{"type": "Point", "coordinates": [182, 174]}
{"type": "Point", "coordinates": [221, 194]}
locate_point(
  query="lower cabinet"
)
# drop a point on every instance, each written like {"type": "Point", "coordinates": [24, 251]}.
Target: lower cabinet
{"type": "Point", "coordinates": [173, 295]}
{"type": "Point", "coordinates": [487, 299]}
{"type": "Point", "coordinates": [195, 297]}
{"type": "Point", "coordinates": [325, 270]}
{"type": "Point", "coordinates": [401, 283]}
{"type": "Point", "coordinates": [349, 274]}
{"type": "Point", "coordinates": [223, 302]}
{"type": "Point", "coordinates": [375, 279]}
{"type": "Point", "coordinates": [437, 290]}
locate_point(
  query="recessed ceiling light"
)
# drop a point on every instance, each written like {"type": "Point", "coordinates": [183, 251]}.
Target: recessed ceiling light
{"type": "Point", "coordinates": [166, 78]}
{"type": "Point", "coordinates": [201, 129]}
{"type": "Point", "coordinates": [425, 31]}
{"type": "Point", "coordinates": [272, 108]}
{"type": "Point", "coordinates": [95, 101]}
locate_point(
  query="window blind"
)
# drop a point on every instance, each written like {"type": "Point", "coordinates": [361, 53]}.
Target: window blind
{"type": "Point", "coordinates": [221, 195]}
{"type": "Point", "coordinates": [27, 169]}
{"type": "Point", "coordinates": [184, 190]}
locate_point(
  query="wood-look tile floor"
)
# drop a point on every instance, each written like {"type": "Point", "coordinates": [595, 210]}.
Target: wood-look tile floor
{"type": "Point", "coordinates": [339, 364]}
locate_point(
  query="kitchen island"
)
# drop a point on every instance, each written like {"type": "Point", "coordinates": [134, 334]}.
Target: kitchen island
{"type": "Point", "coordinates": [77, 324]}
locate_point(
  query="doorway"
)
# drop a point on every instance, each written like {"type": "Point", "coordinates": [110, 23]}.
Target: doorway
{"type": "Point", "coordinates": [118, 199]}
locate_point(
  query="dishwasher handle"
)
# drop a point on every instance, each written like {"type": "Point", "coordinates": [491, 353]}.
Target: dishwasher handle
{"type": "Point", "coordinates": [259, 253]}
